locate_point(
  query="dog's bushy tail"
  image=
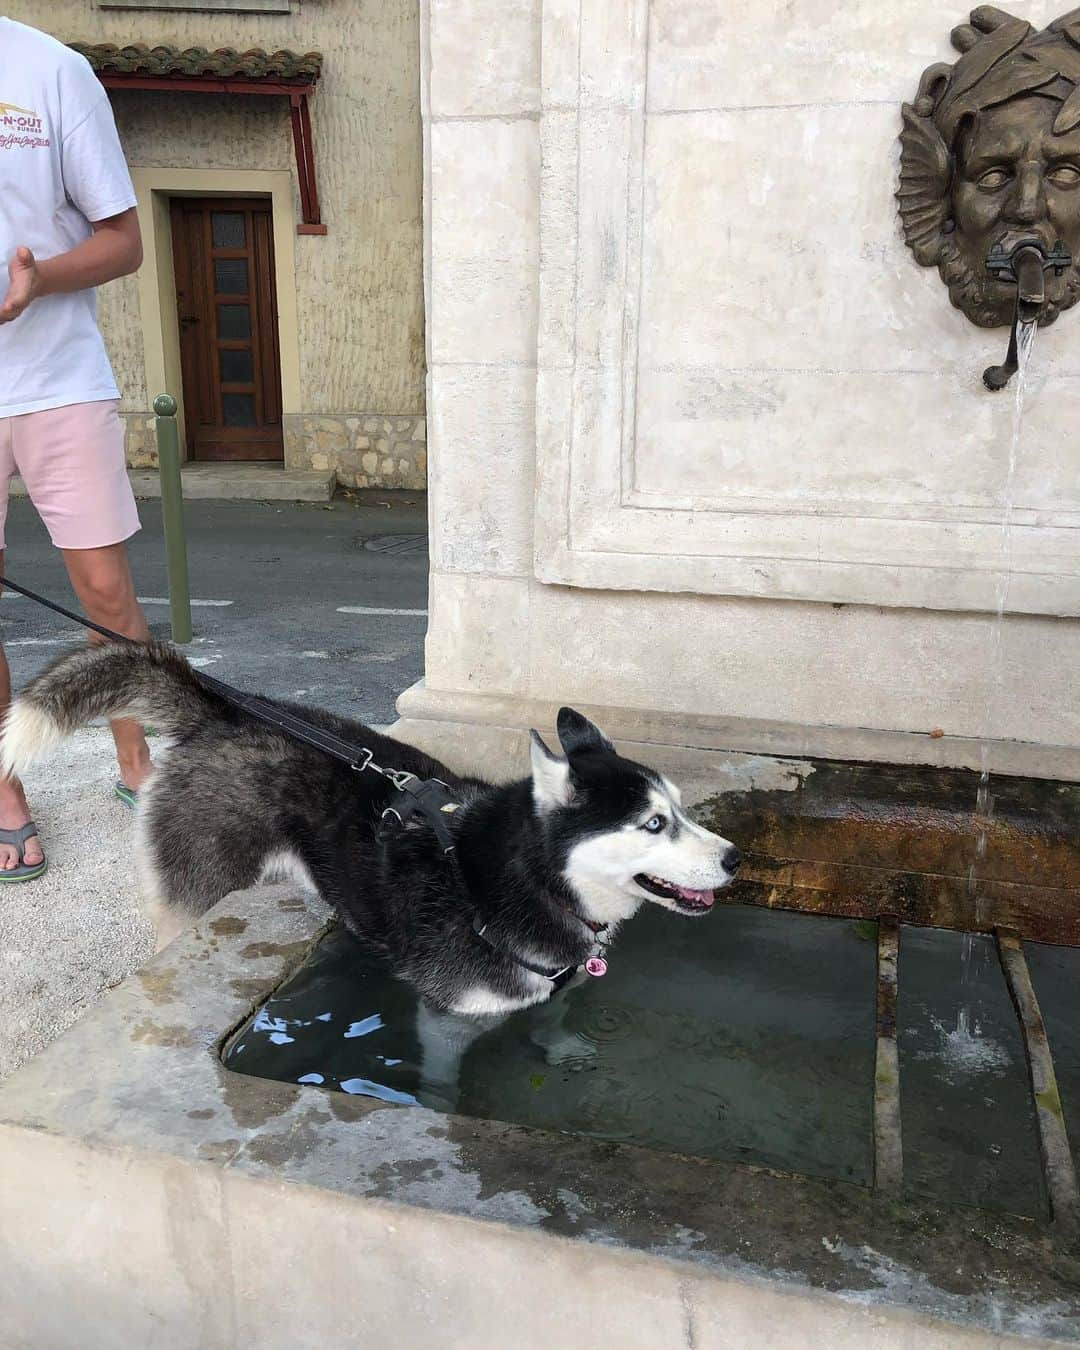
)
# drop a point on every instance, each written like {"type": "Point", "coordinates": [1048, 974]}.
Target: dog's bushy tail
{"type": "Point", "coordinates": [153, 683]}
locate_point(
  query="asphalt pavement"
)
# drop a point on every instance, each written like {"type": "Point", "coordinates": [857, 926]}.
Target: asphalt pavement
{"type": "Point", "coordinates": [326, 604]}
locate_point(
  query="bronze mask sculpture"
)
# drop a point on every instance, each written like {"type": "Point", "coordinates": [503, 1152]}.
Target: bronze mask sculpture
{"type": "Point", "coordinates": [990, 169]}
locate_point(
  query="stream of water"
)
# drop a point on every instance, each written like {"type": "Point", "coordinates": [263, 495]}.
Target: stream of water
{"type": "Point", "coordinates": [984, 799]}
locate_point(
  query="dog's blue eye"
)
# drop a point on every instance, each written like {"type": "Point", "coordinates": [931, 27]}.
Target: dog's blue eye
{"type": "Point", "coordinates": [654, 824]}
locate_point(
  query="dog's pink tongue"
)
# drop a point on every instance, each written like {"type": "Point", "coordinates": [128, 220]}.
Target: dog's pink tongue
{"type": "Point", "coordinates": [695, 897]}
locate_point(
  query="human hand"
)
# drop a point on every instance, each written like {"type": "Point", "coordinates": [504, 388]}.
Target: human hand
{"type": "Point", "coordinates": [24, 284]}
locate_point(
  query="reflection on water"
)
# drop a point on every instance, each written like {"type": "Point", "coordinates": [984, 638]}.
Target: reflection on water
{"type": "Point", "coordinates": [748, 1035]}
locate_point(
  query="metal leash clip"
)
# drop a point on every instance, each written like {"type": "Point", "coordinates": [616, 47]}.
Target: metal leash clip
{"type": "Point", "coordinates": [429, 798]}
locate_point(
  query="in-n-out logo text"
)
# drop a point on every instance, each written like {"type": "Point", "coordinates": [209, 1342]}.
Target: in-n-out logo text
{"type": "Point", "coordinates": [13, 118]}
{"type": "Point", "coordinates": [21, 128]}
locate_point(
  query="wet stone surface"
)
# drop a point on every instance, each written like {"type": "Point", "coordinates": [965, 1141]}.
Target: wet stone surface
{"type": "Point", "coordinates": [764, 1013]}
{"type": "Point", "coordinates": [143, 1080]}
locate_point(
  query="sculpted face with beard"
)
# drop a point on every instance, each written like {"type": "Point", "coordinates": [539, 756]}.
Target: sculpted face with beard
{"type": "Point", "coordinates": [1015, 180]}
{"type": "Point", "coordinates": [991, 155]}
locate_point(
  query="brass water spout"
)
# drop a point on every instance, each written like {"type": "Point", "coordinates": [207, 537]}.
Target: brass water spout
{"type": "Point", "coordinates": [1025, 265]}
{"type": "Point", "coordinates": [1030, 287]}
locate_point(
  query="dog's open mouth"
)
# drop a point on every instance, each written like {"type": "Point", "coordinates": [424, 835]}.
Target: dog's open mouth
{"type": "Point", "coordinates": [687, 900]}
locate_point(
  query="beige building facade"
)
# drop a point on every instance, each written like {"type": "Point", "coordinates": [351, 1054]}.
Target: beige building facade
{"type": "Point", "coordinates": [313, 357]}
{"type": "Point", "coordinates": [743, 487]}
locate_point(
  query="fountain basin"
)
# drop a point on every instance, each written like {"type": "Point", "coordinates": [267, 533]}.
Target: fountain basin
{"type": "Point", "coordinates": [188, 1205]}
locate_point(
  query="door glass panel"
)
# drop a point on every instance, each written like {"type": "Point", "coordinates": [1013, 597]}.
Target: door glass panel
{"type": "Point", "coordinates": [227, 229]}
{"type": "Point", "coordinates": [234, 322]}
{"type": "Point", "coordinates": [236, 367]}
{"type": "Point", "coordinates": [238, 410]}
{"type": "Point", "coordinates": [231, 276]}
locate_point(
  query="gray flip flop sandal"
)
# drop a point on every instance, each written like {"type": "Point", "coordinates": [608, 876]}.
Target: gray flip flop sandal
{"type": "Point", "coordinates": [24, 871]}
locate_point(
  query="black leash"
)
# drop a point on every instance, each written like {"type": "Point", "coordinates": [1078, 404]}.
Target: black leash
{"type": "Point", "coordinates": [430, 798]}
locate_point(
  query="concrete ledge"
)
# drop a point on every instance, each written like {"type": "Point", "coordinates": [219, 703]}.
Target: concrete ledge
{"type": "Point", "coordinates": [246, 482]}
{"type": "Point", "coordinates": [149, 1197]}
{"type": "Point", "coordinates": [490, 733]}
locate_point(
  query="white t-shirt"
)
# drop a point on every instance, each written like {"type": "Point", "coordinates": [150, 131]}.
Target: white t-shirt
{"type": "Point", "coordinates": [61, 167]}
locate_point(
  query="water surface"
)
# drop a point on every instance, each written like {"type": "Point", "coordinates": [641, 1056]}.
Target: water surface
{"type": "Point", "coordinates": [745, 1035]}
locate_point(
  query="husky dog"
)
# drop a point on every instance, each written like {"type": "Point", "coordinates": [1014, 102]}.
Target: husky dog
{"type": "Point", "coordinates": [547, 867]}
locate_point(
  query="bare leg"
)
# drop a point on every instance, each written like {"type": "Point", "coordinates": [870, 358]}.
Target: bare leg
{"type": "Point", "coordinates": [102, 581]}
{"type": "Point", "coordinates": [13, 808]}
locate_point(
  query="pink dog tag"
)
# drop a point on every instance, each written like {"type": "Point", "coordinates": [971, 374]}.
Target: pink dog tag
{"type": "Point", "coordinates": [596, 965]}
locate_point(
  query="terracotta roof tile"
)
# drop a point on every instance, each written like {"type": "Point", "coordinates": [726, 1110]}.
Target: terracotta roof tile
{"type": "Point", "coordinates": [191, 63]}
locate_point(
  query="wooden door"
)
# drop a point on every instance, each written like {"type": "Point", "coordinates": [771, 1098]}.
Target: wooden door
{"type": "Point", "coordinates": [223, 254]}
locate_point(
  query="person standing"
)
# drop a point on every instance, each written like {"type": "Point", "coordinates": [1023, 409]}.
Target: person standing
{"type": "Point", "coordinates": [67, 224]}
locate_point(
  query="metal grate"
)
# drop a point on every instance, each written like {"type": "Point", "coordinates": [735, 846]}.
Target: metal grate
{"type": "Point", "coordinates": [395, 543]}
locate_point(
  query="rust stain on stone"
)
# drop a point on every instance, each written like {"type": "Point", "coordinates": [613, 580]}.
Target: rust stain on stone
{"type": "Point", "coordinates": [355, 1108]}
{"type": "Point", "coordinates": [156, 1033]}
{"type": "Point", "coordinates": [294, 1144]}
{"type": "Point", "coordinates": [389, 1176]}
{"type": "Point", "coordinates": [218, 1150]}
{"type": "Point", "coordinates": [159, 985]}
{"type": "Point", "coordinates": [254, 1101]}
{"type": "Point", "coordinates": [228, 926]}
{"type": "Point", "coordinates": [249, 990]}
{"type": "Point", "coordinates": [860, 840]}
{"type": "Point", "coordinates": [256, 950]}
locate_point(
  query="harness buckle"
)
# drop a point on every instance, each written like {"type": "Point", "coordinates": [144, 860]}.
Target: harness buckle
{"type": "Point", "coordinates": [368, 757]}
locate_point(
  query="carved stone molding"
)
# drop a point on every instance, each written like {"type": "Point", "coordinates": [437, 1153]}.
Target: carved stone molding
{"type": "Point", "coordinates": [737, 400]}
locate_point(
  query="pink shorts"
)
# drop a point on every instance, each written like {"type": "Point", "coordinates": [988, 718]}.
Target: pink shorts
{"type": "Point", "coordinates": [72, 462]}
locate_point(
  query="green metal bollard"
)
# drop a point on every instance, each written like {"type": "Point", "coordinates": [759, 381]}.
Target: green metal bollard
{"type": "Point", "coordinates": [172, 517]}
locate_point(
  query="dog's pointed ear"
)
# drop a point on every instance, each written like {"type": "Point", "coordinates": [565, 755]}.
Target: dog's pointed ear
{"type": "Point", "coordinates": [551, 785]}
{"type": "Point", "coordinates": [577, 733]}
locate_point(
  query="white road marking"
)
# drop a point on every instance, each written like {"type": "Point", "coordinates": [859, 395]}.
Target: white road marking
{"type": "Point", "coordinates": [199, 661]}
{"type": "Point", "coordinates": [42, 642]}
{"type": "Point", "coordinates": [195, 604]}
{"type": "Point", "coordinates": [367, 609]}
{"type": "Point", "coordinates": [143, 600]}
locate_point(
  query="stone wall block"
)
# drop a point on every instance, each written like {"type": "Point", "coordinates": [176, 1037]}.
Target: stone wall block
{"type": "Point", "coordinates": [485, 240]}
